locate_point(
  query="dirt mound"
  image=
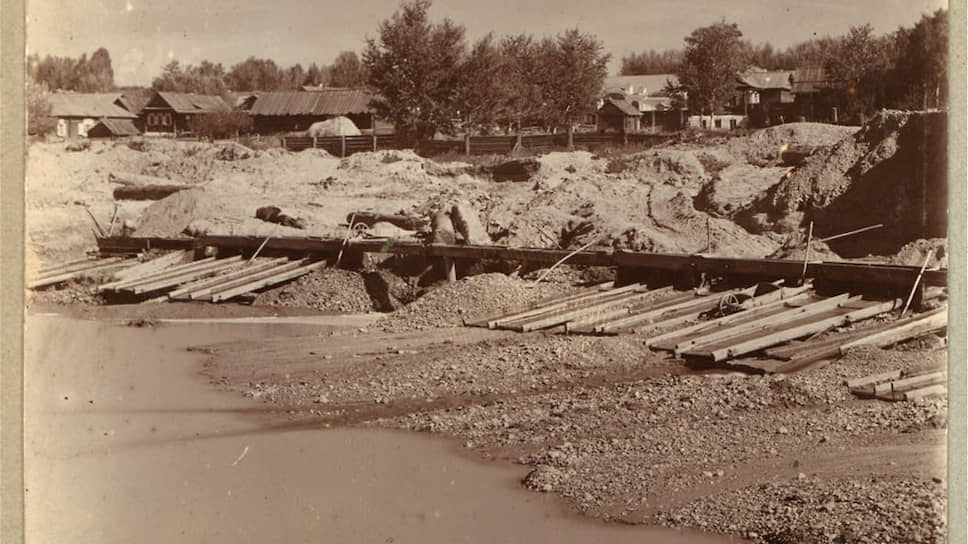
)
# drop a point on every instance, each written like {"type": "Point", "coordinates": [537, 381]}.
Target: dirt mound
{"type": "Point", "coordinates": [765, 145]}
{"type": "Point", "coordinates": [473, 297]}
{"type": "Point", "coordinates": [171, 215]}
{"type": "Point", "coordinates": [914, 253]}
{"type": "Point", "coordinates": [892, 171]}
{"type": "Point", "coordinates": [736, 187]}
{"type": "Point", "coordinates": [327, 290]}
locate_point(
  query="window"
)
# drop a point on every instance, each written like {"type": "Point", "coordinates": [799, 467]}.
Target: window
{"type": "Point", "coordinates": [732, 123]}
{"type": "Point", "coordinates": [718, 123]}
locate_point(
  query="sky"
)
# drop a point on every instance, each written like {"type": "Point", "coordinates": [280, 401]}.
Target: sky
{"type": "Point", "coordinates": [142, 36]}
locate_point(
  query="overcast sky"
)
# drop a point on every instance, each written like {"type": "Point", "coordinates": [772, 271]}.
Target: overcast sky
{"type": "Point", "coordinates": [142, 36]}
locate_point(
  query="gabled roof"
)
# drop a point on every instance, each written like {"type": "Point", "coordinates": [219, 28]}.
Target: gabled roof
{"type": "Point", "coordinates": [117, 127]}
{"type": "Point", "coordinates": [775, 79]}
{"type": "Point", "coordinates": [811, 79]}
{"type": "Point", "coordinates": [87, 105]}
{"type": "Point", "coordinates": [192, 103]}
{"type": "Point", "coordinates": [652, 83]}
{"type": "Point", "coordinates": [330, 101]}
{"type": "Point", "coordinates": [622, 106]}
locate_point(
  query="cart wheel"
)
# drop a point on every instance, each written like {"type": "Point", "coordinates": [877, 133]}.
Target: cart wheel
{"type": "Point", "coordinates": [360, 230]}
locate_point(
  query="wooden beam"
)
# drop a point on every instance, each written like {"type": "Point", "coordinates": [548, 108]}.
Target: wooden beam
{"type": "Point", "coordinates": [180, 278]}
{"type": "Point", "coordinates": [558, 317]}
{"type": "Point", "coordinates": [267, 282]}
{"type": "Point", "coordinates": [579, 325]}
{"type": "Point", "coordinates": [183, 291]}
{"type": "Point", "coordinates": [51, 280]}
{"type": "Point", "coordinates": [78, 265]}
{"type": "Point", "coordinates": [929, 391]}
{"type": "Point", "coordinates": [762, 304]}
{"type": "Point", "coordinates": [210, 293]}
{"type": "Point", "coordinates": [932, 323]}
{"type": "Point", "coordinates": [156, 275]}
{"type": "Point", "coordinates": [567, 302]}
{"type": "Point", "coordinates": [764, 323]}
{"type": "Point", "coordinates": [786, 334]}
{"type": "Point", "coordinates": [483, 321]}
{"type": "Point", "coordinates": [154, 265]}
{"type": "Point", "coordinates": [644, 317]}
{"type": "Point", "coordinates": [908, 384]}
{"type": "Point", "coordinates": [873, 378]}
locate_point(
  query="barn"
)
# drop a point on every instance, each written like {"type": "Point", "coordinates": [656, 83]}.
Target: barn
{"type": "Point", "coordinates": [292, 111]}
{"type": "Point", "coordinates": [172, 113]}
{"type": "Point", "coordinates": [77, 113]}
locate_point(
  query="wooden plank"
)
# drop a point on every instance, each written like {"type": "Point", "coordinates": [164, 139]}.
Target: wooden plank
{"type": "Point", "coordinates": [560, 317]}
{"type": "Point", "coordinates": [210, 293]}
{"type": "Point", "coordinates": [568, 302]}
{"type": "Point", "coordinates": [180, 278]}
{"type": "Point", "coordinates": [764, 323]}
{"type": "Point", "coordinates": [267, 282]}
{"type": "Point", "coordinates": [579, 325]}
{"type": "Point", "coordinates": [762, 306]}
{"type": "Point", "coordinates": [483, 321]}
{"type": "Point", "coordinates": [183, 291]}
{"type": "Point", "coordinates": [59, 266]}
{"type": "Point", "coordinates": [640, 318]}
{"type": "Point", "coordinates": [154, 265]}
{"type": "Point", "coordinates": [873, 378]}
{"type": "Point", "coordinates": [929, 391]}
{"type": "Point", "coordinates": [51, 280]}
{"type": "Point", "coordinates": [908, 384]}
{"type": "Point", "coordinates": [155, 275]}
{"type": "Point", "coordinates": [920, 327]}
{"type": "Point", "coordinates": [76, 266]}
{"type": "Point", "coordinates": [785, 334]}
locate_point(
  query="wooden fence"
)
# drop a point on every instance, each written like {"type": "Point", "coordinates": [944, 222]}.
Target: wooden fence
{"type": "Point", "coordinates": [342, 146]}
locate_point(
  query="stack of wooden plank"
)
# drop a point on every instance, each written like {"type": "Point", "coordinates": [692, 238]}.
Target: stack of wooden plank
{"type": "Point", "coordinates": [209, 279]}
{"type": "Point", "coordinates": [80, 268]}
{"type": "Point", "coordinates": [898, 386]}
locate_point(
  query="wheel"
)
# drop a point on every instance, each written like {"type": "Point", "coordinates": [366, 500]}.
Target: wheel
{"type": "Point", "coordinates": [360, 230]}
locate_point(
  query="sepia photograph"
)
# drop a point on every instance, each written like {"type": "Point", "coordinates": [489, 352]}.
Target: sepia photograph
{"type": "Point", "coordinates": [403, 271]}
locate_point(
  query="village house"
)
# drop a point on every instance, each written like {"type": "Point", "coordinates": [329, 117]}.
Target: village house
{"type": "Point", "coordinates": [113, 128]}
{"type": "Point", "coordinates": [765, 97]}
{"type": "Point", "coordinates": [817, 97]}
{"type": "Point", "coordinates": [77, 113]}
{"type": "Point", "coordinates": [168, 113]}
{"type": "Point", "coordinates": [618, 115]}
{"type": "Point", "coordinates": [293, 111]}
{"type": "Point", "coordinates": [646, 94]}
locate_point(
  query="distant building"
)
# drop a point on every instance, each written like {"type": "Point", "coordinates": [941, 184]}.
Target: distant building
{"type": "Point", "coordinates": [817, 96]}
{"type": "Point", "coordinates": [618, 115]}
{"type": "Point", "coordinates": [168, 113]}
{"type": "Point", "coordinates": [718, 122]}
{"type": "Point", "coordinates": [113, 128]}
{"type": "Point", "coordinates": [639, 86]}
{"type": "Point", "coordinates": [77, 113]}
{"type": "Point", "coordinates": [765, 96]}
{"type": "Point", "coordinates": [293, 111]}
{"type": "Point", "coordinates": [646, 93]}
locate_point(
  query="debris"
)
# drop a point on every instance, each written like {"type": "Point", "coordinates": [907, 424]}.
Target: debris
{"type": "Point", "coordinates": [516, 170]}
{"type": "Point", "coordinates": [273, 214]}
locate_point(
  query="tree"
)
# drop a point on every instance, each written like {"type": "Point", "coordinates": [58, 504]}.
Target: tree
{"type": "Point", "coordinates": [651, 62]}
{"type": "Point", "coordinates": [922, 65]}
{"type": "Point", "coordinates": [206, 78]}
{"type": "Point", "coordinates": [223, 124]}
{"type": "Point", "coordinates": [415, 66]}
{"type": "Point", "coordinates": [316, 76]}
{"type": "Point", "coordinates": [347, 71]}
{"type": "Point", "coordinates": [69, 74]}
{"type": "Point", "coordinates": [523, 74]}
{"type": "Point", "coordinates": [484, 95]}
{"type": "Point", "coordinates": [860, 61]}
{"type": "Point", "coordinates": [39, 121]}
{"type": "Point", "coordinates": [578, 66]}
{"type": "Point", "coordinates": [714, 55]}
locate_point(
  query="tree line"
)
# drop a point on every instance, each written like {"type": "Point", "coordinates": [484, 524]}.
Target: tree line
{"type": "Point", "coordinates": [905, 69]}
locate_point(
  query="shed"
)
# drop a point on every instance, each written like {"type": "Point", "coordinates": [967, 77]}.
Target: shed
{"type": "Point", "coordinates": [76, 113]}
{"type": "Point", "coordinates": [113, 128]}
{"type": "Point", "coordinates": [618, 115]}
{"type": "Point", "coordinates": [172, 113]}
{"type": "Point", "coordinates": [298, 110]}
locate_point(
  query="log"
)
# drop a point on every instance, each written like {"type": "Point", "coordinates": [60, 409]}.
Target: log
{"type": "Point", "coordinates": [147, 192]}
{"type": "Point", "coordinates": [929, 391]}
{"type": "Point", "coordinates": [927, 325]}
{"type": "Point", "coordinates": [132, 180]}
{"type": "Point", "coordinates": [406, 222]}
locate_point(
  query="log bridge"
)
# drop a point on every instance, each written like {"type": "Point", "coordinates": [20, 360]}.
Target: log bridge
{"type": "Point", "coordinates": [682, 270]}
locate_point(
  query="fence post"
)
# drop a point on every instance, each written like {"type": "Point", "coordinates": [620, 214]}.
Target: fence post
{"type": "Point", "coordinates": [342, 145]}
{"type": "Point", "coordinates": [518, 143]}
{"type": "Point", "coordinates": [374, 139]}
{"type": "Point", "coordinates": [571, 137]}
{"type": "Point", "coordinates": [314, 142]}
{"type": "Point", "coordinates": [284, 146]}
{"type": "Point", "coordinates": [467, 143]}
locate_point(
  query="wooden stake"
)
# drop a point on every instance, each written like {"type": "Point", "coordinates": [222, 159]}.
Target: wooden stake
{"type": "Point", "coordinates": [349, 232]}
{"type": "Point", "coordinates": [264, 242]}
{"type": "Point", "coordinates": [806, 252]}
{"type": "Point", "coordinates": [851, 233]}
{"type": "Point", "coordinates": [96, 224]}
{"type": "Point", "coordinates": [114, 216]}
{"type": "Point", "coordinates": [917, 281]}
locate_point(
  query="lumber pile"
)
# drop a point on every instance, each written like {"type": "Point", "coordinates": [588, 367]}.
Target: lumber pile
{"type": "Point", "coordinates": [80, 268]}
{"type": "Point", "coordinates": [897, 386]}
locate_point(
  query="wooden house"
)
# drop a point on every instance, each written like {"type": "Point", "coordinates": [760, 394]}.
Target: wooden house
{"type": "Point", "coordinates": [618, 115]}
{"type": "Point", "coordinates": [294, 111]}
{"type": "Point", "coordinates": [77, 113]}
{"type": "Point", "coordinates": [113, 128]}
{"type": "Point", "coordinates": [168, 113]}
{"type": "Point", "coordinates": [765, 97]}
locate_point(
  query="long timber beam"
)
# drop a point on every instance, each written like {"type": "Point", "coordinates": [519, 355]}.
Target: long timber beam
{"type": "Point", "coordinates": [842, 272]}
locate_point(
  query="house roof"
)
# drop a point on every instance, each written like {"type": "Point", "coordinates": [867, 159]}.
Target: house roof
{"type": "Point", "coordinates": [811, 79]}
{"type": "Point", "coordinates": [319, 102]}
{"type": "Point", "coordinates": [87, 105]}
{"type": "Point", "coordinates": [622, 106]}
{"type": "Point", "coordinates": [651, 83]}
{"type": "Point", "coordinates": [775, 79]}
{"type": "Point", "coordinates": [118, 127]}
{"type": "Point", "coordinates": [193, 103]}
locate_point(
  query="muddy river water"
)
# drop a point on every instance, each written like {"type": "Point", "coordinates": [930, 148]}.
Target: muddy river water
{"type": "Point", "coordinates": [127, 442]}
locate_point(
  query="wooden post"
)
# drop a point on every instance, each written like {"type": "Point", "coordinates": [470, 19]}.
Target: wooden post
{"type": "Point", "coordinates": [518, 143]}
{"type": "Point", "coordinates": [917, 282]}
{"type": "Point", "coordinates": [449, 269]}
{"type": "Point", "coordinates": [342, 145]}
{"type": "Point", "coordinates": [315, 145]}
{"type": "Point", "coordinates": [806, 252]}
{"type": "Point", "coordinates": [709, 237]}
{"type": "Point", "coordinates": [467, 143]}
{"type": "Point", "coordinates": [653, 121]}
{"type": "Point", "coordinates": [571, 137]}
{"type": "Point", "coordinates": [374, 140]}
